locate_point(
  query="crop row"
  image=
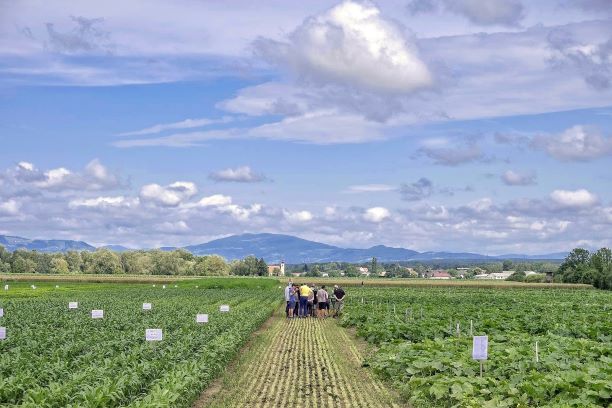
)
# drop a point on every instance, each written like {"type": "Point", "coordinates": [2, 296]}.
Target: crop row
{"type": "Point", "coordinates": [59, 357]}
{"type": "Point", "coordinates": [424, 339]}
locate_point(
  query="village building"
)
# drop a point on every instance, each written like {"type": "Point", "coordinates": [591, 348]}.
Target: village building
{"type": "Point", "coordinates": [277, 269]}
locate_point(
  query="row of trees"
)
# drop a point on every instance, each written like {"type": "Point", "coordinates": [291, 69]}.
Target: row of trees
{"type": "Point", "coordinates": [104, 261]}
{"type": "Point", "coordinates": [582, 266]}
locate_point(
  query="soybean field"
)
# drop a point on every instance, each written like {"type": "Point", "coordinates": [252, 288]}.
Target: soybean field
{"type": "Point", "coordinates": [549, 347]}
{"type": "Point", "coordinates": [56, 356]}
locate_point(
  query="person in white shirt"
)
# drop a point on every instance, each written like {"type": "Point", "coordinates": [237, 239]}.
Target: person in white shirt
{"type": "Point", "coordinates": [288, 297]}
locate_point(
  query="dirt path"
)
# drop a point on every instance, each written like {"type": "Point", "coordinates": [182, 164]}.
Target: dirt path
{"type": "Point", "coordinates": [302, 362]}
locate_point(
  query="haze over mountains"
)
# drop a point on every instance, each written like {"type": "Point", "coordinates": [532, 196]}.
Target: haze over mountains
{"type": "Point", "coordinates": [277, 247]}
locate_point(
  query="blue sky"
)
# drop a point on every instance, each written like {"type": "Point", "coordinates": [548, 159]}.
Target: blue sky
{"type": "Point", "coordinates": [462, 125]}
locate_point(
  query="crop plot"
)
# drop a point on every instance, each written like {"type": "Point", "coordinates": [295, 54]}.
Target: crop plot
{"type": "Point", "coordinates": [301, 362]}
{"type": "Point", "coordinates": [56, 356]}
{"type": "Point", "coordinates": [425, 344]}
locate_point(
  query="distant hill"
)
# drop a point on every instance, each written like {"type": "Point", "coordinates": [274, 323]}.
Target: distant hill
{"type": "Point", "coordinates": [44, 245]}
{"type": "Point", "coordinates": [277, 247]}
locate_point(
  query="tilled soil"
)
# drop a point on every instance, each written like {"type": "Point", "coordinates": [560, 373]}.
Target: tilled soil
{"type": "Point", "coordinates": [302, 362]}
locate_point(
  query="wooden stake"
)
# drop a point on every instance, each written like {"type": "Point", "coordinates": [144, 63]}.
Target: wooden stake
{"type": "Point", "coordinates": [471, 328]}
{"type": "Point", "coordinates": [481, 368]}
{"type": "Point", "coordinates": [537, 353]}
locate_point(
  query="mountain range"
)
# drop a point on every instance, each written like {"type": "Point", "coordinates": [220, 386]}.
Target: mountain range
{"type": "Point", "coordinates": [276, 247]}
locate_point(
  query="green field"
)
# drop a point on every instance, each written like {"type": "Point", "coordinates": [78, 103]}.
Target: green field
{"type": "Point", "coordinates": [56, 357]}
{"type": "Point", "coordinates": [420, 338]}
{"type": "Point", "coordinates": [424, 339]}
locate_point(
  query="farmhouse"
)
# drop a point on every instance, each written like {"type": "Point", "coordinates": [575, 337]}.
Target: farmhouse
{"type": "Point", "coordinates": [364, 271]}
{"type": "Point", "coordinates": [440, 275]}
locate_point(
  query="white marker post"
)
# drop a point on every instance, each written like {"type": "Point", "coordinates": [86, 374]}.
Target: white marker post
{"type": "Point", "coordinates": [480, 349]}
{"type": "Point", "coordinates": [537, 353]}
{"type": "Point", "coordinates": [147, 306]}
{"type": "Point", "coordinates": [164, 287]}
{"type": "Point", "coordinates": [97, 314]}
{"type": "Point", "coordinates": [73, 305]}
{"type": "Point", "coordinates": [201, 318]}
{"type": "Point", "coordinates": [154, 335]}
{"type": "Point", "coordinates": [1, 312]}
{"type": "Point", "coordinates": [471, 328]}
{"type": "Point", "coordinates": [56, 286]}
{"type": "Point", "coordinates": [2, 333]}
{"type": "Point", "coordinates": [6, 287]}
{"type": "Point", "coordinates": [153, 285]}
{"type": "Point", "coordinates": [224, 308]}
{"type": "Point", "coordinates": [458, 330]}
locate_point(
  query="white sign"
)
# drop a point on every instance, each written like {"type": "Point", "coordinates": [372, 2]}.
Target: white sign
{"type": "Point", "coordinates": [201, 318]}
{"type": "Point", "coordinates": [176, 286]}
{"type": "Point", "coordinates": [1, 312]}
{"type": "Point", "coordinates": [5, 287]}
{"type": "Point", "coordinates": [73, 305]}
{"type": "Point", "coordinates": [480, 348]}
{"type": "Point", "coordinates": [153, 335]}
{"type": "Point", "coordinates": [97, 314]}
{"type": "Point", "coordinates": [153, 285]}
{"type": "Point", "coordinates": [224, 308]}
{"type": "Point", "coordinates": [146, 306]}
{"type": "Point", "coordinates": [33, 287]}
{"type": "Point", "coordinates": [164, 287]}
{"type": "Point", "coordinates": [2, 333]}
{"type": "Point", "coordinates": [56, 286]}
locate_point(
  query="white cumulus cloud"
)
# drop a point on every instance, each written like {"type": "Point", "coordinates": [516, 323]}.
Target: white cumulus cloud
{"type": "Point", "coordinates": [170, 195]}
{"type": "Point", "coordinates": [298, 216]}
{"type": "Point", "coordinates": [376, 214]}
{"type": "Point", "coordinates": [351, 44]}
{"type": "Point", "coordinates": [580, 198]}
{"type": "Point", "coordinates": [578, 143]}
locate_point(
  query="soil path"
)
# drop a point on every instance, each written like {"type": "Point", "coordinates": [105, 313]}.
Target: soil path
{"type": "Point", "coordinates": [299, 362]}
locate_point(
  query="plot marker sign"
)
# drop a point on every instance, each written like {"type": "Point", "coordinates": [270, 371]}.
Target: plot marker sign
{"type": "Point", "coordinates": [224, 308]}
{"type": "Point", "coordinates": [97, 314]}
{"type": "Point", "coordinates": [2, 333]}
{"type": "Point", "coordinates": [5, 287]}
{"type": "Point", "coordinates": [146, 306]}
{"type": "Point", "coordinates": [154, 335]}
{"type": "Point", "coordinates": [201, 318]}
{"type": "Point", "coordinates": [1, 312]}
{"type": "Point", "coordinates": [480, 347]}
{"type": "Point", "coordinates": [73, 305]}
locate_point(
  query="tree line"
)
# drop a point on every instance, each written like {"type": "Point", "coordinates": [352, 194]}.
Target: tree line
{"type": "Point", "coordinates": [145, 262]}
{"type": "Point", "coordinates": [582, 266]}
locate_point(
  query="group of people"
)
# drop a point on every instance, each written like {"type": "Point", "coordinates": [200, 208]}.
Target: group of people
{"type": "Point", "coordinates": [312, 301]}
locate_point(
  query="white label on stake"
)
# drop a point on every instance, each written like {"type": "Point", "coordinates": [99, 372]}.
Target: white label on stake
{"type": "Point", "coordinates": [73, 305]}
{"type": "Point", "coordinates": [164, 287]}
{"type": "Point", "coordinates": [1, 312]}
{"type": "Point", "coordinates": [146, 306]}
{"type": "Point", "coordinates": [2, 333]}
{"type": "Point", "coordinates": [224, 308]}
{"type": "Point", "coordinates": [153, 334]}
{"type": "Point", "coordinates": [97, 314]}
{"type": "Point", "coordinates": [480, 348]}
{"type": "Point", "coordinates": [201, 318]}
{"type": "Point", "coordinates": [5, 287]}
